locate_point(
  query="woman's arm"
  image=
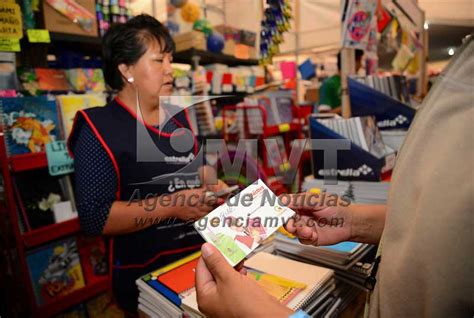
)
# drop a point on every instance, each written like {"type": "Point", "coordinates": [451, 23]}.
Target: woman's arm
{"type": "Point", "coordinates": [95, 182]}
{"type": "Point", "coordinates": [187, 205]}
{"type": "Point", "coordinates": [101, 213]}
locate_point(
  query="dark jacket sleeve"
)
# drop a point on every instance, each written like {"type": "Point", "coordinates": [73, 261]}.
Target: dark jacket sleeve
{"type": "Point", "coordinates": [95, 181]}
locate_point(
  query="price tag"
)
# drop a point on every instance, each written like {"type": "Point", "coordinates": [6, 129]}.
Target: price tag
{"type": "Point", "coordinates": [59, 161]}
{"type": "Point", "coordinates": [11, 24]}
{"type": "Point", "coordinates": [9, 45]}
{"type": "Point", "coordinates": [38, 36]}
{"type": "Point", "coordinates": [284, 128]}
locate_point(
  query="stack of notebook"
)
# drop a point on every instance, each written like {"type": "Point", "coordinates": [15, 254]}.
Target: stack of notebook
{"type": "Point", "coordinates": [169, 291]}
{"type": "Point", "coordinates": [347, 259]}
{"type": "Point", "coordinates": [339, 296]}
{"type": "Point", "coordinates": [339, 256]}
{"type": "Point", "coordinates": [362, 131]}
{"type": "Point", "coordinates": [363, 192]}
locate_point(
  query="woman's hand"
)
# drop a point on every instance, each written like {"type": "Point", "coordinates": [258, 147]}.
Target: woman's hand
{"type": "Point", "coordinates": [223, 292]}
{"type": "Point", "coordinates": [209, 179]}
{"type": "Point", "coordinates": [192, 204]}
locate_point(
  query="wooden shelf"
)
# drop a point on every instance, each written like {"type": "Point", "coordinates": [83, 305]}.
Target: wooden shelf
{"type": "Point", "coordinates": [49, 233]}
{"type": "Point", "coordinates": [206, 57]}
{"type": "Point", "coordinates": [73, 298]}
{"type": "Point", "coordinates": [26, 162]}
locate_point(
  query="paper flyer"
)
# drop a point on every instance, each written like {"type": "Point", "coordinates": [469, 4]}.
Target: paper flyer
{"type": "Point", "coordinates": [357, 24]}
{"type": "Point", "coordinates": [237, 227]}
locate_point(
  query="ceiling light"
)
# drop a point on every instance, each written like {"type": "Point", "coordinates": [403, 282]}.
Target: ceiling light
{"type": "Point", "coordinates": [451, 51]}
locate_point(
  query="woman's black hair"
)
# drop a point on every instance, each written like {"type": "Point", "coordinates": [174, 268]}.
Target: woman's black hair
{"type": "Point", "coordinates": [126, 43]}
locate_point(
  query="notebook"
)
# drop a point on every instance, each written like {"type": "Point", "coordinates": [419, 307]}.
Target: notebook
{"type": "Point", "coordinates": [71, 104]}
{"type": "Point", "coordinates": [171, 288]}
{"type": "Point", "coordinates": [312, 276]}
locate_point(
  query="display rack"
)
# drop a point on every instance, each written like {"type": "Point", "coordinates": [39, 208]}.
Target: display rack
{"type": "Point", "coordinates": [34, 238]}
{"type": "Point", "coordinates": [289, 131]}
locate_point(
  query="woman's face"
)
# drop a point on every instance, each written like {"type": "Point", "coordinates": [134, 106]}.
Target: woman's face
{"type": "Point", "coordinates": [153, 74]}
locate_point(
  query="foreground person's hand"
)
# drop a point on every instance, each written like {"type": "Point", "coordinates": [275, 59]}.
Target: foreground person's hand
{"type": "Point", "coordinates": [223, 292]}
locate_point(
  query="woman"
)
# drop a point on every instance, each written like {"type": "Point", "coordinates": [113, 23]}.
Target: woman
{"type": "Point", "coordinates": [132, 156]}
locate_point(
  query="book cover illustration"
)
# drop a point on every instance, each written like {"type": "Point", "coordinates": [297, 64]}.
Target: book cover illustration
{"type": "Point", "coordinates": [52, 79]}
{"type": "Point", "coordinates": [93, 258]}
{"type": "Point", "coordinates": [29, 81]}
{"type": "Point", "coordinates": [29, 123]}
{"type": "Point", "coordinates": [357, 23]}
{"type": "Point", "coordinates": [237, 227]}
{"type": "Point", "coordinates": [86, 79]}
{"type": "Point", "coordinates": [71, 104]}
{"type": "Point", "coordinates": [38, 193]}
{"type": "Point", "coordinates": [55, 270]}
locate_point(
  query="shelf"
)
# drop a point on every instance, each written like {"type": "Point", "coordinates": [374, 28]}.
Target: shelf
{"type": "Point", "coordinates": [28, 162]}
{"type": "Point", "coordinates": [66, 37]}
{"type": "Point", "coordinates": [75, 43]}
{"type": "Point", "coordinates": [51, 232]}
{"type": "Point", "coordinates": [206, 57]}
{"type": "Point", "coordinates": [74, 298]}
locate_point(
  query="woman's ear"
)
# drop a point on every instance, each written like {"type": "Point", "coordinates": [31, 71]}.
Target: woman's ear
{"type": "Point", "coordinates": [126, 72]}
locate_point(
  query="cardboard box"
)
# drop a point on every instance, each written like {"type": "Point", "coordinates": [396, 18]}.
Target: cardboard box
{"type": "Point", "coordinates": [56, 22]}
{"type": "Point", "coordinates": [238, 35]}
{"type": "Point", "coordinates": [188, 40]}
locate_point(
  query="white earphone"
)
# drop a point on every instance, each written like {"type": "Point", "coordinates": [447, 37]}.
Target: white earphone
{"type": "Point", "coordinates": [130, 79]}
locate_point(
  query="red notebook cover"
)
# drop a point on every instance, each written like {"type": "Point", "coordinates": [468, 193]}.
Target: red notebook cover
{"type": "Point", "coordinates": [52, 79]}
{"type": "Point", "coordinates": [181, 278]}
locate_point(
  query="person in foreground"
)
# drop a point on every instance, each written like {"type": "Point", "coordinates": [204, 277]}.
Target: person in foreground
{"type": "Point", "coordinates": [425, 231]}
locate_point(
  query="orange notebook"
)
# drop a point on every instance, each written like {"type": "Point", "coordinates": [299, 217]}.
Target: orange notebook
{"type": "Point", "coordinates": [52, 79]}
{"type": "Point", "coordinates": [181, 278]}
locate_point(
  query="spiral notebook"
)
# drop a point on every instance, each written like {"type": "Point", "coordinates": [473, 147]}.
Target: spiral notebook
{"type": "Point", "coordinates": [314, 277]}
{"type": "Point", "coordinates": [171, 288]}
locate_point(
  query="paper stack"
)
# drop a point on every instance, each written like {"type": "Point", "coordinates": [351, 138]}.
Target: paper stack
{"type": "Point", "coordinates": [347, 259]}
{"type": "Point", "coordinates": [170, 292]}
{"type": "Point", "coordinates": [363, 192]}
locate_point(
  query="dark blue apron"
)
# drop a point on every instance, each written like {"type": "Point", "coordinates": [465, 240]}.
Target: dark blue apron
{"type": "Point", "coordinates": [135, 254]}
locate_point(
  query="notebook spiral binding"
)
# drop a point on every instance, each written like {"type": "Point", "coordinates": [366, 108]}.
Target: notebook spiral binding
{"type": "Point", "coordinates": [308, 299]}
